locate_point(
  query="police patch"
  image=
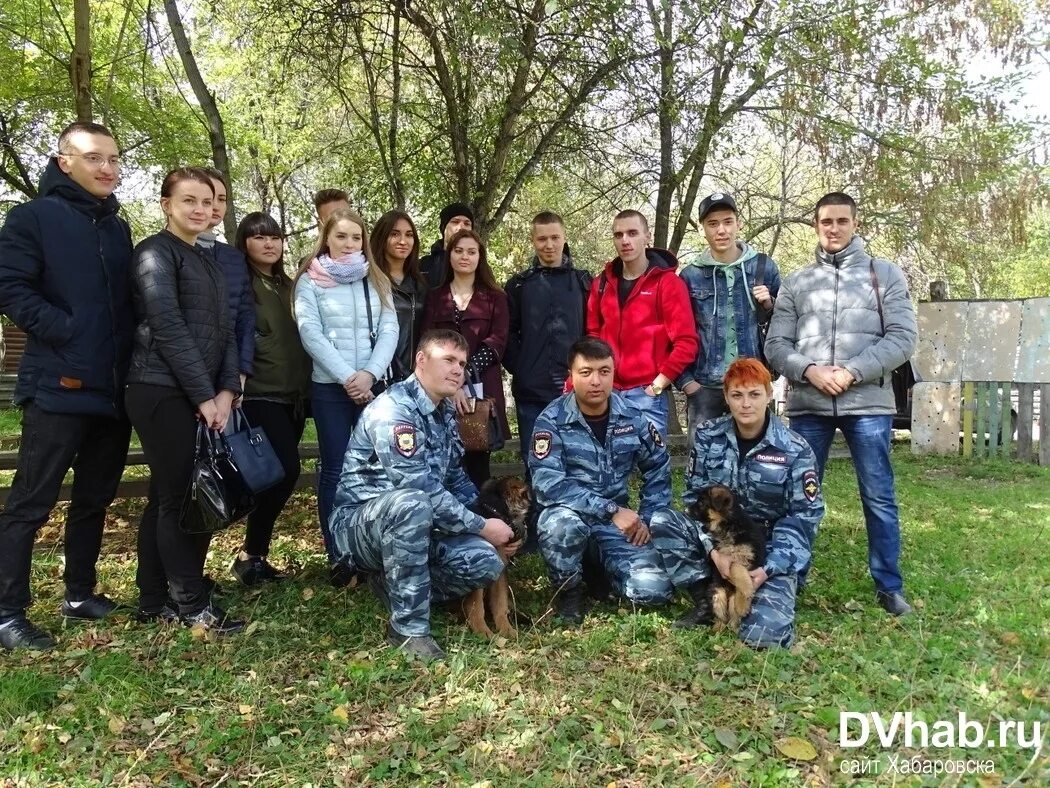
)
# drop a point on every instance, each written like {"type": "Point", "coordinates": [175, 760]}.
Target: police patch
{"type": "Point", "coordinates": [541, 444]}
{"type": "Point", "coordinates": [810, 485]}
{"type": "Point", "coordinates": [405, 439]}
{"type": "Point", "coordinates": [625, 430]}
{"type": "Point", "coordinates": [771, 456]}
{"type": "Point", "coordinates": [655, 435]}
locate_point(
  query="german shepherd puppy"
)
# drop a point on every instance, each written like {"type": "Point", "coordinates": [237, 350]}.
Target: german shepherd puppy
{"type": "Point", "coordinates": [735, 534]}
{"type": "Point", "coordinates": [505, 497]}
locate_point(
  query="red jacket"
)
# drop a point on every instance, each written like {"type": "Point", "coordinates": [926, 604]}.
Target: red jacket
{"type": "Point", "coordinates": [655, 331]}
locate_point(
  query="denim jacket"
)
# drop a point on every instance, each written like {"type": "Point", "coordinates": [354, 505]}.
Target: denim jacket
{"type": "Point", "coordinates": [713, 306]}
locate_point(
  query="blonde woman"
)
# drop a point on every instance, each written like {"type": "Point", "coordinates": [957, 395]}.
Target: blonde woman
{"type": "Point", "coordinates": [348, 325]}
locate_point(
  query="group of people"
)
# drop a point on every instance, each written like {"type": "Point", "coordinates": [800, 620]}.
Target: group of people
{"type": "Point", "coordinates": [386, 350]}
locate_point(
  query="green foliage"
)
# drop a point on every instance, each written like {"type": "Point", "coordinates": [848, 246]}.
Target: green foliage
{"type": "Point", "coordinates": [311, 694]}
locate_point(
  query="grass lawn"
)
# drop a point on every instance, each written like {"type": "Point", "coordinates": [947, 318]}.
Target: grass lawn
{"type": "Point", "coordinates": [310, 695]}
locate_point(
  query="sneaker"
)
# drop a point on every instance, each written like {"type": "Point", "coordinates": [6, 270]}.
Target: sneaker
{"type": "Point", "coordinates": [893, 602]}
{"type": "Point", "coordinates": [167, 613]}
{"type": "Point", "coordinates": [568, 606]}
{"type": "Point", "coordinates": [255, 570]}
{"type": "Point", "coordinates": [421, 647]}
{"type": "Point", "coordinates": [95, 607]}
{"type": "Point", "coordinates": [19, 632]}
{"type": "Point", "coordinates": [341, 575]}
{"type": "Point", "coordinates": [214, 619]}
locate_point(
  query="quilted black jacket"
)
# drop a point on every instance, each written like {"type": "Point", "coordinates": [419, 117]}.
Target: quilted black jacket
{"type": "Point", "coordinates": [185, 335]}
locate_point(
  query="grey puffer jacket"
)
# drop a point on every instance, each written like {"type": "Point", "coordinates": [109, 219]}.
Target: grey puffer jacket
{"type": "Point", "coordinates": [827, 314]}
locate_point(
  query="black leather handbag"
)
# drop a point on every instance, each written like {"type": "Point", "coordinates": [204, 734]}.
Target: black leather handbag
{"type": "Point", "coordinates": [253, 455]}
{"type": "Point", "coordinates": [216, 497]}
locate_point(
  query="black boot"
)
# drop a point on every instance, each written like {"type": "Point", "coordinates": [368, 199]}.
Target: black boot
{"type": "Point", "coordinates": [701, 614]}
{"type": "Point", "coordinates": [568, 603]}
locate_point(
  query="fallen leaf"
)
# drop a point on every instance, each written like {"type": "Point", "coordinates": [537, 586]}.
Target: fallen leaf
{"type": "Point", "coordinates": [1028, 693]}
{"type": "Point", "coordinates": [1010, 639]}
{"type": "Point", "coordinates": [116, 725]}
{"type": "Point", "coordinates": [245, 708]}
{"type": "Point", "coordinates": [341, 713]}
{"type": "Point", "coordinates": [308, 594]}
{"type": "Point", "coordinates": [726, 738]}
{"type": "Point", "coordinates": [796, 748]}
{"type": "Point", "coordinates": [64, 737]}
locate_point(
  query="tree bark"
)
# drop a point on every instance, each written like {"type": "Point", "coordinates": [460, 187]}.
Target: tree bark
{"type": "Point", "coordinates": [80, 65]}
{"type": "Point", "coordinates": [216, 130]}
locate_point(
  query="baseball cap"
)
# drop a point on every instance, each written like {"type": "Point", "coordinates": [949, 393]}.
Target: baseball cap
{"type": "Point", "coordinates": [717, 200]}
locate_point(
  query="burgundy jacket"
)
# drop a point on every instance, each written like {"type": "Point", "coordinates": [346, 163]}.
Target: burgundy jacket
{"type": "Point", "coordinates": [485, 322]}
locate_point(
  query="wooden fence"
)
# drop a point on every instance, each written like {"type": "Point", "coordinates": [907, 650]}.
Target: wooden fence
{"type": "Point", "coordinates": [990, 422]}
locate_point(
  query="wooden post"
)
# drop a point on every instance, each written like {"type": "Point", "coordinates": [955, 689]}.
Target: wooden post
{"type": "Point", "coordinates": [980, 447]}
{"type": "Point", "coordinates": [994, 411]}
{"type": "Point", "coordinates": [968, 407]}
{"type": "Point", "coordinates": [1007, 432]}
{"type": "Point", "coordinates": [1025, 416]}
{"type": "Point", "coordinates": [938, 290]}
{"type": "Point", "coordinates": [1044, 424]}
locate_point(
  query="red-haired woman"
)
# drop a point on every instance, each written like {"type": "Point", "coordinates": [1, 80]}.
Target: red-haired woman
{"type": "Point", "coordinates": [471, 303]}
{"type": "Point", "coordinates": [773, 473]}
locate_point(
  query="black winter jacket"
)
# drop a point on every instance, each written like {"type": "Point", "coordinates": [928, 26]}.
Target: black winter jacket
{"type": "Point", "coordinates": [548, 309]}
{"type": "Point", "coordinates": [184, 336]}
{"type": "Point", "coordinates": [434, 266]}
{"type": "Point", "coordinates": [65, 279]}
{"type": "Point", "coordinates": [240, 301]}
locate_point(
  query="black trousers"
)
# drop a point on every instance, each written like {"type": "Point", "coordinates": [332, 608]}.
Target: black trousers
{"type": "Point", "coordinates": [478, 465]}
{"type": "Point", "coordinates": [95, 447]}
{"type": "Point", "coordinates": [284, 427]}
{"type": "Point", "coordinates": [170, 560]}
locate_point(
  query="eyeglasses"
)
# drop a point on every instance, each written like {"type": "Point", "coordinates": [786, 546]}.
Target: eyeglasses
{"type": "Point", "coordinates": [95, 159]}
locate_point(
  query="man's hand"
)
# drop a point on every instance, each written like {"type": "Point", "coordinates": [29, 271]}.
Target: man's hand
{"type": "Point", "coordinates": [761, 294]}
{"type": "Point", "coordinates": [845, 378]}
{"type": "Point", "coordinates": [662, 381]}
{"type": "Point", "coordinates": [627, 521]}
{"type": "Point", "coordinates": [758, 577]}
{"type": "Point", "coordinates": [461, 402]}
{"type": "Point", "coordinates": [496, 532]}
{"type": "Point", "coordinates": [691, 388]}
{"type": "Point", "coordinates": [722, 563]}
{"type": "Point", "coordinates": [510, 549]}
{"type": "Point", "coordinates": [827, 379]}
{"type": "Point", "coordinates": [641, 535]}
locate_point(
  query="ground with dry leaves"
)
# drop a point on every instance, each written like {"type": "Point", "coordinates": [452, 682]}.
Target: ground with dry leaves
{"type": "Point", "coordinates": [310, 695]}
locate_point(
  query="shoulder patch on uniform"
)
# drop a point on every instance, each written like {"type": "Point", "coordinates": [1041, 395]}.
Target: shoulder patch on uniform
{"type": "Point", "coordinates": [779, 458]}
{"type": "Point", "coordinates": [627, 429]}
{"type": "Point", "coordinates": [405, 439]}
{"type": "Point", "coordinates": [541, 444]}
{"type": "Point", "coordinates": [810, 485]}
{"type": "Point", "coordinates": [655, 435]}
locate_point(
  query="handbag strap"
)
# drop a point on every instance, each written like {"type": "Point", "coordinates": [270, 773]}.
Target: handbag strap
{"type": "Point", "coordinates": [368, 310]}
{"type": "Point", "coordinates": [878, 297]}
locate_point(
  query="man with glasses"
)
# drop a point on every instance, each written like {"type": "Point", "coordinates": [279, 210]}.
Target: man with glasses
{"type": "Point", "coordinates": [65, 263]}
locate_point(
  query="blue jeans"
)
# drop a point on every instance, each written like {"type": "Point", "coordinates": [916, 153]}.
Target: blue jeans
{"type": "Point", "coordinates": [868, 438]}
{"type": "Point", "coordinates": [335, 415]}
{"type": "Point", "coordinates": [654, 408]}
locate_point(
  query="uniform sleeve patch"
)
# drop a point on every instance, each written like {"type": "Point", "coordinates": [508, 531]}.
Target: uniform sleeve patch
{"type": "Point", "coordinates": [810, 485]}
{"type": "Point", "coordinates": [655, 435]}
{"type": "Point", "coordinates": [541, 444]}
{"type": "Point", "coordinates": [627, 429]}
{"type": "Point", "coordinates": [405, 439]}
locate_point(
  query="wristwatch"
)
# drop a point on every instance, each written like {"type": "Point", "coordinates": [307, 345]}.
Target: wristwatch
{"type": "Point", "coordinates": [612, 508]}
{"type": "Point", "coordinates": [657, 390]}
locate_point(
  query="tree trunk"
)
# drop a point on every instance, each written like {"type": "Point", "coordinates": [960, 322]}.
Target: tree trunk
{"type": "Point", "coordinates": [216, 131]}
{"type": "Point", "coordinates": [80, 65]}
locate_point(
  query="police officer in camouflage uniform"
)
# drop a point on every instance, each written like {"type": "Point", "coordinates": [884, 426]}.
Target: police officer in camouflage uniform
{"type": "Point", "coordinates": [585, 444]}
{"type": "Point", "coordinates": [401, 506]}
{"type": "Point", "coordinates": [772, 470]}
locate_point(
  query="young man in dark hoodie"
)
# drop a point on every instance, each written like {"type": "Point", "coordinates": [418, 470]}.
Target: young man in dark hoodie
{"type": "Point", "coordinates": [548, 313]}
{"type": "Point", "coordinates": [732, 288]}
{"type": "Point", "coordinates": [455, 216]}
{"type": "Point", "coordinates": [640, 307]}
{"type": "Point", "coordinates": [65, 263]}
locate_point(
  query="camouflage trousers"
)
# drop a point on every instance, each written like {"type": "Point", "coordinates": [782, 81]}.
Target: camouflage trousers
{"type": "Point", "coordinates": [771, 621]}
{"type": "Point", "coordinates": [392, 534]}
{"type": "Point", "coordinates": [634, 572]}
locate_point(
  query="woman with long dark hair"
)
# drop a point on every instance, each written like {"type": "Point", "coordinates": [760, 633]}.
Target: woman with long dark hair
{"type": "Point", "coordinates": [472, 303]}
{"type": "Point", "coordinates": [184, 371]}
{"type": "Point", "coordinates": [395, 249]}
{"type": "Point", "coordinates": [348, 326]}
{"type": "Point", "coordinates": [275, 395]}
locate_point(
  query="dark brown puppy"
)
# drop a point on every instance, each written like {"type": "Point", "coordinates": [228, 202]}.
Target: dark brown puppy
{"type": "Point", "coordinates": [736, 535]}
{"type": "Point", "coordinates": [505, 497]}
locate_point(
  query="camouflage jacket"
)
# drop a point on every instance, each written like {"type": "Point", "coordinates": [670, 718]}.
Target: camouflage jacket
{"type": "Point", "coordinates": [570, 468]}
{"type": "Point", "coordinates": [405, 441]}
{"type": "Point", "coordinates": [777, 483]}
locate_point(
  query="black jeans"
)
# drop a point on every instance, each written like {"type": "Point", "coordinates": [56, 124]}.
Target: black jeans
{"type": "Point", "coordinates": [95, 447]}
{"type": "Point", "coordinates": [170, 560]}
{"type": "Point", "coordinates": [284, 428]}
